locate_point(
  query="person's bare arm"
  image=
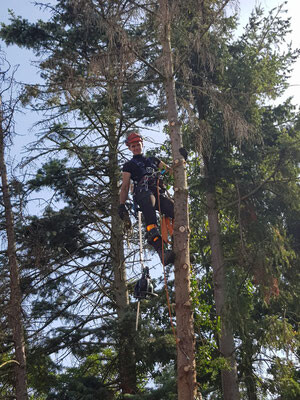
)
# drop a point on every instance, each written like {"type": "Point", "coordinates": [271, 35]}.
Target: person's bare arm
{"type": "Point", "coordinates": [125, 187]}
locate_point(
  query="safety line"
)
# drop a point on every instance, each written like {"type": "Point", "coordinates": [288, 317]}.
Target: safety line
{"type": "Point", "coordinates": [142, 266]}
{"type": "Point", "coordinates": [164, 268]}
{"type": "Point", "coordinates": [178, 343]}
{"type": "Point", "coordinates": [140, 240]}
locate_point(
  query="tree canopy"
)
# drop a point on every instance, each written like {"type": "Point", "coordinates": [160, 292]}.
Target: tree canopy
{"type": "Point", "coordinates": [103, 66]}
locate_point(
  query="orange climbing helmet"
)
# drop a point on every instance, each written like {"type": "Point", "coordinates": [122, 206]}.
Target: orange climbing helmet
{"type": "Point", "coordinates": [133, 137]}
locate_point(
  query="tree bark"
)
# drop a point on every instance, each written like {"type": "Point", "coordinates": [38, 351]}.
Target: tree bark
{"type": "Point", "coordinates": [127, 369]}
{"type": "Point", "coordinates": [15, 304]}
{"type": "Point", "coordinates": [226, 341]}
{"type": "Point", "coordinates": [186, 366]}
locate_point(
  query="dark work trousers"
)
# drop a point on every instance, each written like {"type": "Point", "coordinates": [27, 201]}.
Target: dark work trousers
{"type": "Point", "coordinates": [148, 203]}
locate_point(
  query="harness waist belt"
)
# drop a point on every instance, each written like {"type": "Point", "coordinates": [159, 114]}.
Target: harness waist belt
{"type": "Point", "coordinates": [148, 181]}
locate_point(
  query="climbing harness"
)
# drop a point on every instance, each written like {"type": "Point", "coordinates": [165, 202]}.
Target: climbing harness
{"type": "Point", "coordinates": [149, 175]}
{"type": "Point", "coordinates": [143, 287]}
{"type": "Point", "coordinates": [148, 180]}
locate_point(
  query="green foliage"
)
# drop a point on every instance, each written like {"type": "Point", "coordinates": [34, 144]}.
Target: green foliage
{"type": "Point", "coordinates": [286, 379]}
{"type": "Point", "coordinates": [165, 387]}
{"type": "Point", "coordinates": [65, 251]}
{"type": "Point", "coordinates": [80, 388]}
{"type": "Point", "coordinates": [207, 327]}
{"type": "Point", "coordinates": [41, 372]}
{"type": "Point", "coordinates": [255, 182]}
{"type": "Point", "coordinates": [18, 33]}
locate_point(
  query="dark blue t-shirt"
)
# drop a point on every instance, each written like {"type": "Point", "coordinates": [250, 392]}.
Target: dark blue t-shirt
{"type": "Point", "coordinates": [140, 166]}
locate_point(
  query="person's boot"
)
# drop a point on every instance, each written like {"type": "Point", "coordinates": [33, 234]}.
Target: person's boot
{"type": "Point", "coordinates": [155, 240]}
{"type": "Point", "coordinates": [167, 257]}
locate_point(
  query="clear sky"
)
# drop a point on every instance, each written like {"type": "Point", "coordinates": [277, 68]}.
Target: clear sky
{"type": "Point", "coordinates": [27, 73]}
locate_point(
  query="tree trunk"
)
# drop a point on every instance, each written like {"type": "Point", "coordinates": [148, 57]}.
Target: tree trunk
{"type": "Point", "coordinates": [226, 342]}
{"type": "Point", "coordinates": [15, 307]}
{"type": "Point", "coordinates": [126, 351]}
{"type": "Point", "coordinates": [186, 366]}
{"type": "Point", "coordinates": [246, 366]}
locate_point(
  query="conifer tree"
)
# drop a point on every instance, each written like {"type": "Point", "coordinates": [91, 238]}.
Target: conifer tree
{"type": "Point", "coordinates": [14, 308]}
{"type": "Point", "coordinates": [248, 258]}
{"type": "Point", "coordinates": [90, 78]}
{"type": "Point", "coordinates": [220, 113]}
{"type": "Point", "coordinates": [186, 365]}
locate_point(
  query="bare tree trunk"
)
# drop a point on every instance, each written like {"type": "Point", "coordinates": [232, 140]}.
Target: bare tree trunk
{"type": "Point", "coordinates": [15, 307]}
{"type": "Point", "coordinates": [126, 351]}
{"type": "Point", "coordinates": [186, 366]}
{"type": "Point", "coordinates": [226, 342]}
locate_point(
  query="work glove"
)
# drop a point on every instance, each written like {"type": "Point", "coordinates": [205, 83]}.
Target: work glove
{"type": "Point", "coordinates": [123, 214]}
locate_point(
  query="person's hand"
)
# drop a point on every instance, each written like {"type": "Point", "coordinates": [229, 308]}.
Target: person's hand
{"type": "Point", "coordinates": [124, 215]}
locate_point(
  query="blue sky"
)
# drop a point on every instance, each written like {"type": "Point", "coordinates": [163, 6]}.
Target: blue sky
{"type": "Point", "coordinates": [28, 73]}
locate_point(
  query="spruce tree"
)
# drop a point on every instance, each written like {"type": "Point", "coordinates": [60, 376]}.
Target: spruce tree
{"type": "Point", "coordinates": [14, 306]}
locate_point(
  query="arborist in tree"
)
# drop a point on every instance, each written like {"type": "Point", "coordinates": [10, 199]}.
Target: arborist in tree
{"type": "Point", "coordinates": [149, 193]}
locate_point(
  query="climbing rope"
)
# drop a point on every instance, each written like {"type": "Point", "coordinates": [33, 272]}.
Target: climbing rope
{"type": "Point", "coordinates": [164, 268]}
{"type": "Point", "coordinates": [140, 240]}
{"type": "Point", "coordinates": [142, 266]}
{"type": "Point", "coordinates": [165, 227]}
{"type": "Point", "coordinates": [178, 344]}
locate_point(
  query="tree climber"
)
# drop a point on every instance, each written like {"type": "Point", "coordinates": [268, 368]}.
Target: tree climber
{"type": "Point", "coordinates": [144, 173]}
